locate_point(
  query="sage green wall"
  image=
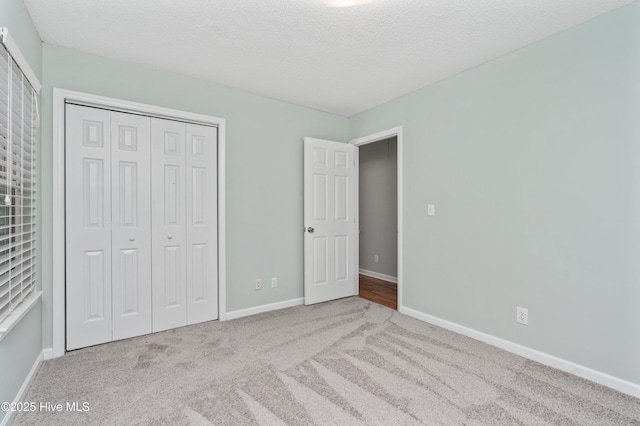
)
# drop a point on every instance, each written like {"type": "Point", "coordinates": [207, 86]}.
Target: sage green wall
{"type": "Point", "coordinates": [18, 353]}
{"type": "Point", "coordinates": [264, 166]}
{"type": "Point", "coordinates": [22, 346]}
{"type": "Point", "coordinates": [15, 17]}
{"type": "Point", "coordinates": [533, 163]}
{"type": "Point", "coordinates": [378, 203]}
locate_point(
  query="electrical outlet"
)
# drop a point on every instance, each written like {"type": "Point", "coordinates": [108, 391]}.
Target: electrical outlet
{"type": "Point", "coordinates": [376, 258]}
{"type": "Point", "coordinates": [258, 284]}
{"type": "Point", "coordinates": [274, 282]}
{"type": "Point", "coordinates": [522, 315]}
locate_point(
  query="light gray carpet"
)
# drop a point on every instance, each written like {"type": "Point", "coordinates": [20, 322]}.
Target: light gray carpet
{"type": "Point", "coordinates": [341, 363]}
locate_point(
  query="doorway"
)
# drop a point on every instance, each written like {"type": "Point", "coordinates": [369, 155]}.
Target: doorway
{"type": "Point", "coordinates": [380, 217]}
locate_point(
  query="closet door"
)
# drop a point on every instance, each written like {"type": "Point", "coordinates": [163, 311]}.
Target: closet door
{"type": "Point", "coordinates": [131, 269]}
{"type": "Point", "coordinates": [169, 224]}
{"type": "Point", "coordinates": [88, 226]}
{"type": "Point", "coordinates": [202, 224]}
{"type": "Point", "coordinates": [131, 224]}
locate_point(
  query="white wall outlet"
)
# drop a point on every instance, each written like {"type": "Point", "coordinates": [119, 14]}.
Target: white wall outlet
{"type": "Point", "coordinates": [431, 209]}
{"type": "Point", "coordinates": [522, 315]}
{"type": "Point", "coordinates": [258, 284]}
{"type": "Point", "coordinates": [274, 282]}
{"type": "Point", "coordinates": [376, 258]}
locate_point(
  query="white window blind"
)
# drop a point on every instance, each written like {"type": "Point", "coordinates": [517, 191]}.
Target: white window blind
{"type": "Point", "coordinates": [18, 110]}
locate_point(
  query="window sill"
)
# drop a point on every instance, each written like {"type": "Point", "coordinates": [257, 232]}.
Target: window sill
{"type": "Point", "coordinates": [14, 317]}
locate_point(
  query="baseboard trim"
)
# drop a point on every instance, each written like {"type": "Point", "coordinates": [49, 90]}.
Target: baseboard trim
{"type": "Point", "coordinates": [24, 388]}
{"type": "Point", "coordinates": [379, 276]}
{"type": "Point", "coordinates": [599, 377]}
{"type": "Point", "coordinates": [263, 308]}
{"type": "Point", "coordinates": [48, 354]}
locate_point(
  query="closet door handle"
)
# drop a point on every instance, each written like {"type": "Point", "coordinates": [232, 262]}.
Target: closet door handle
{"type": "Point", "coordinates": [169, 236]}
{"type": "Point", "coordinates": [132, 238]}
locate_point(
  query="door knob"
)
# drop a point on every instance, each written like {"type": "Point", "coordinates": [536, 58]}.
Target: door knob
{"type": "Point", "coordinates": [310, 230]}
{"type": "Point", "coordinates": [132, 238]}
{"type": "Point", "coordinates": [169, 236]}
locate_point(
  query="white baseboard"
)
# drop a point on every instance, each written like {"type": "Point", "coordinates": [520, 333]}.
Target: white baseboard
{"type": "Point", "coordinates": [612, 382]}
{"type": "Point", "coordinates": [263, 308]}
{"type": "Point", "coordinates": [48, 354]}
{"type": "Point", "coordinates": [379, 276]}
{"type": "Point", "coordinates": [23, 389]}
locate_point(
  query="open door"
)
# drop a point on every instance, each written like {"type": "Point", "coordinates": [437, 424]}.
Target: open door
{"type": "Point", "coordinates": [330, 178]}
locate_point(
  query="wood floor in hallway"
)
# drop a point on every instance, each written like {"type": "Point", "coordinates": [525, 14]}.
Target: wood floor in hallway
{"type": "Point", "coordinates": [379, 291]}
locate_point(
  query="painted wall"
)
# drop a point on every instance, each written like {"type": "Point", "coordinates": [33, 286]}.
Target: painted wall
{"type": "Point", "coordinates": [379, 207]}
{"type": "Point", "coordinates": [533, 163]}
{"type": "Point", "coordinates": [15, 17]}
{"type": "Point", "coordinates": [22, 346]}
{"type": "Point", "coordinates": [264, 166]}
{"type": "Point", "coordinates": [19, 351]}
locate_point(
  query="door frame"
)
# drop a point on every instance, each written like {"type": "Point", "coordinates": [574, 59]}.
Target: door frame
{"type": "Point", "coordinates": [376, 137]}
{"type": "Point", "coordinates": [60, 98]}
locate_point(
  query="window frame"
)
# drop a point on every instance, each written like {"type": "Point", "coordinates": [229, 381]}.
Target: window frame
{"type": "Point", "coordinates": [19, 121]}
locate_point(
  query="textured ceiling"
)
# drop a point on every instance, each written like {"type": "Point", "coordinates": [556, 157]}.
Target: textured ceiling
{"type": "Point", "coordinates": [342, 60]}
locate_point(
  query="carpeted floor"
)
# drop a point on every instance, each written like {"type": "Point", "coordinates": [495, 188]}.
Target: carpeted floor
{"type": "Point", "coordinates": [340, 363]}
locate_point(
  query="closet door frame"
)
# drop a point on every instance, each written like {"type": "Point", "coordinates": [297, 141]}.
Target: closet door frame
{"type": "Point", "coordinates": [62, 97]}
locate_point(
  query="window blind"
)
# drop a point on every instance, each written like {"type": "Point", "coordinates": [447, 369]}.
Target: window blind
{"type": "Point", "coordinates": [18, 111]}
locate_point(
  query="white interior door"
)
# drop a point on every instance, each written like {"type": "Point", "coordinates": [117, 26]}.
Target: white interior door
{"type": "Point", "coordinates": [202, 223]}
{"type": "Point", "coordinates": [131, 225]}
{"type": "Point", "coordinates": [329, 219]}
{"type": "Point", "coordinates": [88, 224]}
{"type": "Point", "coordinates": [169, 224]}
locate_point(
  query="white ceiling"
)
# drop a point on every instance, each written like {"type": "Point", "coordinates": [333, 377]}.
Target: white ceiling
{"type": "Point", "coordinates": [342, 60]}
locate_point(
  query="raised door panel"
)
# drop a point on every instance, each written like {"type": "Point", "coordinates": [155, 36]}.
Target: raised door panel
{"type": "Point", "coordinates": [169, 270]}
{"type": "Point", "coordinates": [320, 264]}
{"type": "Point", "coordinates": [131, 225]}
{"type": "Point", "coordinates": [88, 226]}
{"type": "Point", "coordinates": [202, 223]}
{"type": "Point", "coordinates": [199, 290]}
{"type": "Point", "coordinates": [93, 269]}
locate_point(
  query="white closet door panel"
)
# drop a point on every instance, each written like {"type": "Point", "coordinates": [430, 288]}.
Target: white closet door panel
{"type": "Point", "coordinates": [169, 273]}
{"type": "Point", "coordinates": [202, 223]}
{"type": "Point", "coordinates": [131, 225]}
{"type": "Point", "coordinates": [88, 224]}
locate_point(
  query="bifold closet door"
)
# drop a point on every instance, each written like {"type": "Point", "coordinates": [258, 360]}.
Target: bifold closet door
{"type": "Point", "coordinates": [185, 242]}
{"type": "Point", "coordinates": [88, 226]}
{"type": "Point", "coordinates": [130, 225]}
{"type": "Point", "coordinates": [132, 269]}
{"type": "Point", "coordinates": [108, 226]}
{"type": "Point", "coordinates": [168, 169]}
{"type": "Point", "coordinates": [202, 223]}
